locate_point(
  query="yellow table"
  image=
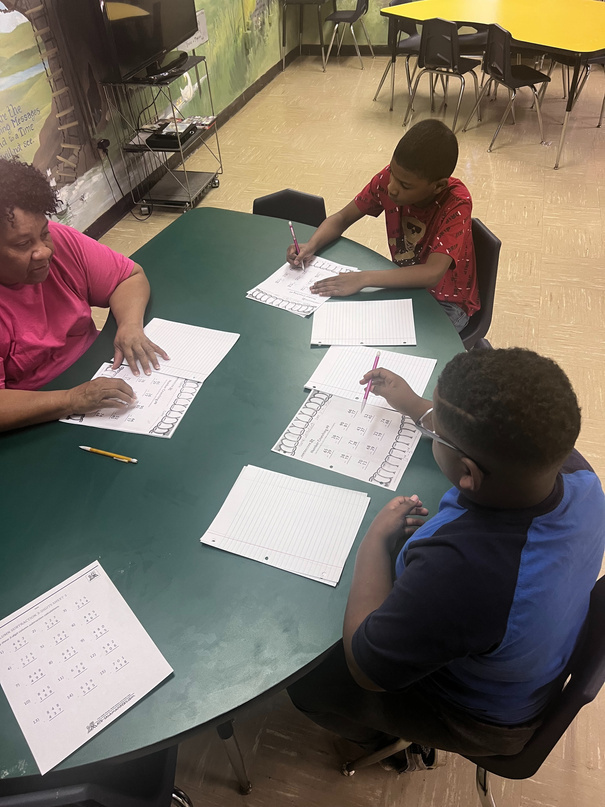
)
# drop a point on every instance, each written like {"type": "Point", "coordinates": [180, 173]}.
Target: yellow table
{"type": "Point", "coordinates": [571, 27]}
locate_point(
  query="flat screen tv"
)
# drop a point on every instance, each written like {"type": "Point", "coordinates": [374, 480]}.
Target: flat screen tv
{"type": "Point", "coordinates": [128, 37]}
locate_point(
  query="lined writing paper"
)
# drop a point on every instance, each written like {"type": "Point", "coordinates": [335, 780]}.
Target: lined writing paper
{"type": "Point", "coordinates": [341, 368]}
{"type": "Point", "coordinates": [293, 524]}
{"type": "Point", "coordinates": [194, 351]}
{"type": "Point", "coordinates": [371, 322]}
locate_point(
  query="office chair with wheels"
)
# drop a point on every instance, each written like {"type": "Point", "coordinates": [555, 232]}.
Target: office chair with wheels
{"type": "Point", "coordinates": [497, 64]}
{"type": "Point", "coordinates": [349, 17]}
{"type": "Point", "coordinates": [144, 782]}
{"type": "Point", "coordinates": [294, 205]}
{"type": "Point", "coordinates": [440, 56]}
{"type": "Point", "coordinates": [586, 676]}
{"type": "Point", "coordinates": [487, 253]}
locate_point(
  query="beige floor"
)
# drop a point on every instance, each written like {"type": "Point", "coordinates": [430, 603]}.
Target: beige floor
{"type": "Point", "coordinates": [322, 133]}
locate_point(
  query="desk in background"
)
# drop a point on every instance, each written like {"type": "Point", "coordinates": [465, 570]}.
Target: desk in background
{"type": "Point", "coordinates": [570, 27]}
{"type": "Point", "coordinates": [232, 629]}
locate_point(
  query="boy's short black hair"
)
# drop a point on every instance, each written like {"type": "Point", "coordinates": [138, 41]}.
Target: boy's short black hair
{"type": "Point", "coordinates": [512, 404]}
{"type": "Point", "coordinates": [429, 149]}
{"type": "Point", "coordinates": [23, 186]}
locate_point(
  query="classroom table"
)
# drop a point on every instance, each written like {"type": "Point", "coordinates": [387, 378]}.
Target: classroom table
{"type": "Point", "coordinates": [232, 629]}
{"type": "Point", "coordinates": [572, 28]}
{"type": "Point", "coordinates": [301, 4]}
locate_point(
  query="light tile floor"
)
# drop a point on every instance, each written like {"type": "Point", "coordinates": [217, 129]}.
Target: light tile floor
{"type": "Point", "coordinates": [322, 133]}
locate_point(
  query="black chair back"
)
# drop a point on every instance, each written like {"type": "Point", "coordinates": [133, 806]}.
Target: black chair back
{"type": "Point", "coordinates": [497, 59]}
{"type": "Point", "coordinates": [289, 204]}
{"type": "Point", "coordinates": [487, 254]}
{"type": "Point", "coordinates": [586, 672]}
{"type": "Point", "coordinates": [143, 782]}
{"type": "Point", "coordinates": [400, 23]}
{"type": "Point", "coordinates": [439, 45]}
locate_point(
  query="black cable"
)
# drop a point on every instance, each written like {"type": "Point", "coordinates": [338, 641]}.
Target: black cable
{"type": "Point", "coordinates": [138, 218]}
{"type": "Point", "coordinates": [152, 103]}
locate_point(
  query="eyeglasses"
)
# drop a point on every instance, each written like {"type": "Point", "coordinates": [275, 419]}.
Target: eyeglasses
{"type": "Point", "coordinates": [428, 432]}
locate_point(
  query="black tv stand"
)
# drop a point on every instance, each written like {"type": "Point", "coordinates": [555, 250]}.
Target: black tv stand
{"type": "Point", "coordinates": [157, 71]}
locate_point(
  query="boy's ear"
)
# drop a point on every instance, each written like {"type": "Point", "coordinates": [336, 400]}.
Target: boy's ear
{"type": "Point", "coordinates": [441, 184]}
{"type": "Point", "coordinates": [472, 476]}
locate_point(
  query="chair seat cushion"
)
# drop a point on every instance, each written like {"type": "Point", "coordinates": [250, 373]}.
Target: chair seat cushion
{"type": "Point", "coordinates": [409, 45]}
{"type": "Point", "coordinates": [343, 16]}
{"type": "Point", "coordinates": [523, 76]}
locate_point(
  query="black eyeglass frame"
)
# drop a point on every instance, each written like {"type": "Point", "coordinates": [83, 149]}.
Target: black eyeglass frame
{"type": "Point", "coordinates": [432, 435]}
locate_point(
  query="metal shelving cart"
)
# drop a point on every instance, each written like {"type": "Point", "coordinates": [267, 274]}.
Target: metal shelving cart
{"type": "Point", "coordinates": [158, 169]}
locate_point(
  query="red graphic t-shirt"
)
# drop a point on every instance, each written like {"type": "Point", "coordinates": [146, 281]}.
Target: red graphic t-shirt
{"type": "Point", "coordinates": [443, 226]}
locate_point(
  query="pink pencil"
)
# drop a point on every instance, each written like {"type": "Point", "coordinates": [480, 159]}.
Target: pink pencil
{"type": "Point", "coordinates": [369, 384]}
{"type": "Point", "coordinates": [296, 247]}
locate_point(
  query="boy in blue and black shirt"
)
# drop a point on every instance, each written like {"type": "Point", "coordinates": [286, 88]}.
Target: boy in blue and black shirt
{"type": "Point", "coordinates": [466, 647]}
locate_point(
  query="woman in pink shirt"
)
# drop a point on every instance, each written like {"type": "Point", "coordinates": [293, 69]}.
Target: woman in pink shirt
{"type": "Point", "coordinates": [50, 275]}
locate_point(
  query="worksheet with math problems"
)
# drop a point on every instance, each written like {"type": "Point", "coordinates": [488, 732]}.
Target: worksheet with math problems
{"type": "Point", "coordinates": [74, 660]}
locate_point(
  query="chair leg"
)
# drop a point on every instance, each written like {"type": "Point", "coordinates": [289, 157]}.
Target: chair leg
{"type": "Point", "coordinates": [349, 768]}
{"type": "Point", "coordinates": [539, 113]}
{"type": "Point", "coordinates": [504, 117]}
{"type": "Point", "coordinates": [476, 82]}
{"type": "Point", "coordinates": [432, 81]}
{"type": "Point", "coordinates": [181, 798]}
{"type": "Point", "coordinates": [283, 37]}
{"type": "Point", "coordinates": [512, 110]}
{"type": "Point", "coordinates": [356, 46]}
{"type": "Point", "coordinates": [392, 87]}
{"type": "Point", "coordinates": [602, 112]}
{"type": "Point", "coordinates": [321, 36]}
{"type": "Point", "coordinates": [341, 40]}
{"type": "Point", "coordinates": [460, 94]}
{"type": "Point", "coordinates": [407, 67]}
{"type": "Point", "coordinates": [408, 111]}
{"type": "Point", "coordinates": [332, 42]}
{"type": "Point", "coordinates": [477, 106]}
{"type": "Point", "coordinates": [483, 788]}
{"type": "Point", "coordinates": [390, 64]}
{"type": "Point", "coordinates": [225, 732]}
{"type": "Point", "coordinates": [365, 31]}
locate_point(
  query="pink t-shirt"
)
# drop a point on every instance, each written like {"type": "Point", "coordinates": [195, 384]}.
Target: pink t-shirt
{"type": "Point", "coordinates": [45, 327]}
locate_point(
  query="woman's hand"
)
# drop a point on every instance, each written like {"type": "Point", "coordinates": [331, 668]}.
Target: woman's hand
{"type": "Point", "coordinates": [132, 344]}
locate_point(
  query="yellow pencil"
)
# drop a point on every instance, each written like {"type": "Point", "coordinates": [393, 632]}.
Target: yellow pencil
{"type": "Point", "coordinates": [113, 456]}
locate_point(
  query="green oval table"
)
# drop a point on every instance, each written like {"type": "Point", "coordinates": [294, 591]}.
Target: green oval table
{"type": "Point", "coordinates": [232, 629]}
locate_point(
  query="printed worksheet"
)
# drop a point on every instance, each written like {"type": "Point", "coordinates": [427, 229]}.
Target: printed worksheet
{"type": "Point", "coordinates": [293, 524]}
{"type": "Point", "coordinates": [288, 288]}
{"type": "Point", "coordinates": [374, 445]}
{"type": "Point", "coordinates": [161, 403]}
{"type": "Point", "coordinates": [367, 322]}
{"type": "Point", "coordinates": [341, 369]}
{"type": "Point", "coordinates": [74, 660]}
{"type": "Point", "coordinates": [194, 351]}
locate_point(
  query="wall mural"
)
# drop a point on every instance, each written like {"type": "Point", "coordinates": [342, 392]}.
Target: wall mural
{"type": "Point", "coordinates": [53, 110]}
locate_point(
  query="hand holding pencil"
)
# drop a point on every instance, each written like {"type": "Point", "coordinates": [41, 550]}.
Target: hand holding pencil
{"type": "Point", "coordinates": [297, 253]}
{"type": "Point", "coordinates": [369, 384]}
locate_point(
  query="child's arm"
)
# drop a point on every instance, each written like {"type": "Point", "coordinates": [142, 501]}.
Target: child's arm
{"type": "Point", "coordinates": [397, 392]}
{"type": "Point", "coordinates": [372, 577]}
{"type": "Point", "coordinates": [329, 230]}
{"type": "Point", "coordinates": [420, 276]}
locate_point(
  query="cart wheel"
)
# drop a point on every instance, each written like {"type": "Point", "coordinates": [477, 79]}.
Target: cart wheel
{"type": "Point", "coordinates": [215, 182]}
{"type": "Point", "coordinates": [144, 210]}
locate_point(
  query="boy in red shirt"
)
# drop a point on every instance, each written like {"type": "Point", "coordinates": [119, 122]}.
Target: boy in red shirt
{"type": "Point", "coordinates": [428, 220]}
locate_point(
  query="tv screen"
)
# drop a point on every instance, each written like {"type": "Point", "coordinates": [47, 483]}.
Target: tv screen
{"type": "Point", "coordinates": [144, 31]}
